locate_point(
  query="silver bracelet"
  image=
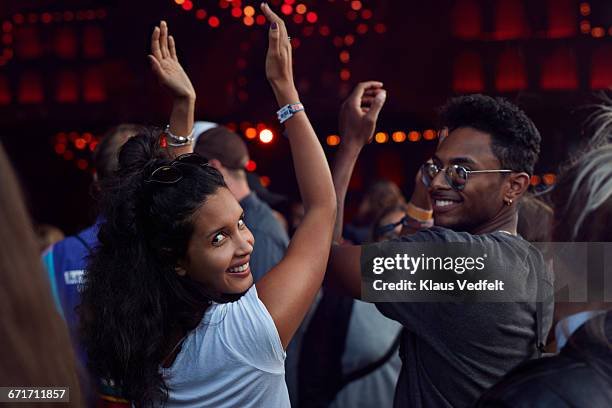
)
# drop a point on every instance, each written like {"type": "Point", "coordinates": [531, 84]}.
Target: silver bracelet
{"type": "Point", "coordinates": [177, 141]}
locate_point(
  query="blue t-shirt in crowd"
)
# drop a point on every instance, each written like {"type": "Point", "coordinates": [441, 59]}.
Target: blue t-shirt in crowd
{"type": "Point", "coordinates": [65, 262]}
{"type": "Point", "coordinates": [271, 240]}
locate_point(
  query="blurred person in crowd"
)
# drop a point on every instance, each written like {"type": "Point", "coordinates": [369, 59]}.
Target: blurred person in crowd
{"type": "Point", "coordinates": [452, 352]}
{"type": "Point", "coordinates": [380, 195]}
{"type": "Point", "coordinates": [228, 153]}
{"type": "Point", "coordinates": [47, 235]}
{"type": "Point", "coordinates": [170, 312]}
{"type": "Point", "coordinates": [349, 352]}
{"type": "Point", "coordinates": [389, 223]}
{"type": "Point", "coordinates": [535, 219]}
{"type": "Point", "coordinates": [36, 349]}
{"type": "Point", "coordinates": [581, 374]}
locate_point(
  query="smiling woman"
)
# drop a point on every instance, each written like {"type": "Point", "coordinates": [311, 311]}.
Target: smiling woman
{"type": "Point", "coordinates": [169, 312]}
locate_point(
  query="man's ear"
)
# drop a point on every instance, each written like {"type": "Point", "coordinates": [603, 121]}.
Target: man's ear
{"type": "Point", "coordinates": [216, 164]}
{"type": "Point", "coordinates": [518, 183]}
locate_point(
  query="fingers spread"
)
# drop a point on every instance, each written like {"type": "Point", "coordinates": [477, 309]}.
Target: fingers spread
{"type": "Point", "coordinates": [155, 44]}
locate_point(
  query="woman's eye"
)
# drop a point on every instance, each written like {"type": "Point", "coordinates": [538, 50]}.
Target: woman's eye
{"type": "Point", "coordinates": [218, 238]}
{"type": "Point", "coordinates": [241, 223]}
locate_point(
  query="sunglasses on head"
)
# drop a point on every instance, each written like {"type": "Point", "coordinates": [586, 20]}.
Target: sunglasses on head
{"type": "Point", "coordinates": [384, 231]}
{"type": "Point", "coordinates": [456, 175]}
{"type": "Point", "coordinates": [171, 173]}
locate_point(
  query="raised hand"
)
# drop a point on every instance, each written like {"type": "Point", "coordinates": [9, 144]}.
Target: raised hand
{"type": "Point", "coordinates": [279, 66]}
{"type": "Point", "coordinates": [166, 66]}
{"type": "Point", "coordinates": [359, 112]}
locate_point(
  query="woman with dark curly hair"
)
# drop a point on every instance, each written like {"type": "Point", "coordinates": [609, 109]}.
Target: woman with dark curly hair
{"type": "Point", "coordinates": [170, 313]}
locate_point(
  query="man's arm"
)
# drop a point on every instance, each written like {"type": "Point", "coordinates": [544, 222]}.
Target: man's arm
{"type": "Point", "coordinates": [170, 73]}
{"type": "Point", "coordinates": [358, 116]}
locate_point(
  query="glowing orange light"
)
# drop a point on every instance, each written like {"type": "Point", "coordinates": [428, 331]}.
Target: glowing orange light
{"type": "Point", "coordinates": [250, 166]}
{"type": "Point", "coordinates": [237, 12]}
{"type": "Point", "coordinates": [345, 74]}
{"type": "Point", "coordinates": [356, 5]}
{"type": "Point", "coordinates": [301, 8]}
{"type": "Point", "coordinates": [345, 56]}
{"type": "Point", "coordinates": [349, 39]}
{"type": "Point", "coordinates": [81, 164]}
{"type": "Point", "coordinates": [398, 137]}
{"type": "Point", "coordinates": [549, 179]}
{"type": "Point", "coordinates": [214, 21]}
{"type": "Point", "coordinates": [201, 14]}
{"type": "Point", "coordinates": [429, 134]}
{"type": "Point", "coordinates": [381, 137]}
{"type": "Point", "coordinates": [248, 21]}
{"type": "Point", "coordinates": [265, 181]}
{"type": "Point", "coordinates": [585, 27]}
{"type": "Point", "coordinates": [535, 180]}
{"type": "Point", "coordinates": [80, 143]}
{"type": "Point", "coordinates": [249, 11]}
{"type": "Point", "coordinates": [585, 9]}
{"type": "Point", "coordinates": [598, 32]}
{"type": "Point", "coordinates": [179, 2]}
{"type": "Point", "coordinates": [266, 136]}
{"type": "Point", "coordinates": [312, 17]}
{"type": "Point", "coordinates": [333, 140]}
{"type": "Point", "coordinates": [414, 136]}
{"type": "Point", "coordinates": [286, 9]}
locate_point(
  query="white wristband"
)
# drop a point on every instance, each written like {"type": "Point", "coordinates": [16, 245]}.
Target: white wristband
{"type": "Point", "coordinates": [286, 112]}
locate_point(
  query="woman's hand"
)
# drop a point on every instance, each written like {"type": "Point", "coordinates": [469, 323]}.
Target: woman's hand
{"type": "Point", "coordinates": [166, 66]}
{"type": "Point", "coordinates": [279, 68]}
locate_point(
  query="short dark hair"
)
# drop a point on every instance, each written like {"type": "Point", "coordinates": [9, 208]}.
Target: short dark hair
{"type": "Point", "coordinates": [516, 140]}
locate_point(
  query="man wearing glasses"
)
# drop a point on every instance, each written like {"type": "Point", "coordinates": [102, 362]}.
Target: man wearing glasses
{"type": "Point", "coordinates": [452, 352]}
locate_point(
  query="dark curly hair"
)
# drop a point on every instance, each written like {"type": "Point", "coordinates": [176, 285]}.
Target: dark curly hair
{"type": "Point", "coordinates": [133, 301]}
{"type": "Point", "coordinates": [516, 140]}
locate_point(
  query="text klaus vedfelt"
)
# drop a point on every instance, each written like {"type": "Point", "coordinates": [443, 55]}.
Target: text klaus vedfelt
{"type": "Point", "coordinates": [413, 264]}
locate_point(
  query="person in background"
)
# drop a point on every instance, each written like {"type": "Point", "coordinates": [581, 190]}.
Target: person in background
{"type": "Point", "coordinates": [389, 223]}
{"type": "Point", "coordinates": [349, 351]}
{"type": "Point", "coordinates": [581, 374]}
{"type": "Point", "coordinates": [228, 153]}
{"type": "Point", "coordinates": [379, 196]}
{"type": "Point", "coordinates": [535, 219]}
{"type": "Point", "coordinates": [36, 349]}
{"type": "Point", "coordinates": [47, 235]}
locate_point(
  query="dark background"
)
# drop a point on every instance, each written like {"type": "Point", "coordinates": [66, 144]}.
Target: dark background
{"type": "Point", "coordinates": [71, 69]}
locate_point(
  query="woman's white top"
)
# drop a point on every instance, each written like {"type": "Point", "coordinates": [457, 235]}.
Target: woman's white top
{"type": "Point", "coordinates": [234, 358]}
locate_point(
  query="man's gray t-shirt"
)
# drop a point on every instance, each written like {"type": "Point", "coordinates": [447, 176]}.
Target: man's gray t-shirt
{"type": "Point", "coordinates": [453, 352]}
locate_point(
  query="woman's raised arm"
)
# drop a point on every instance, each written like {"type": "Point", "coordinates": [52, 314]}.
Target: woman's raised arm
{"type": "Point", "coordinates": [290, 287]}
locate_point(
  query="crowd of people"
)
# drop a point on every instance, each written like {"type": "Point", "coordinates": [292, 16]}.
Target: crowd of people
{"type": "Point", "coordinates": [190, 289]}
